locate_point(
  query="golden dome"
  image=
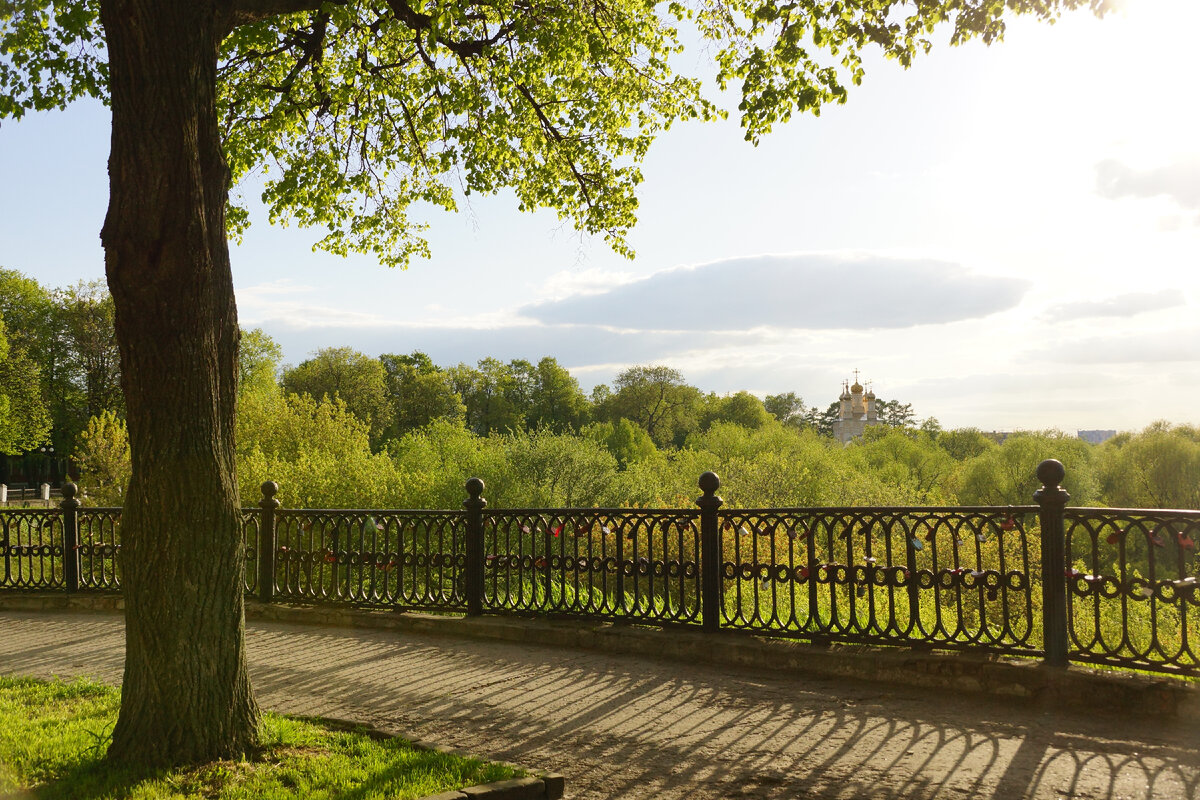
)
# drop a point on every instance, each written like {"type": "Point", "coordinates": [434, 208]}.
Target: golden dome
{"type": "Point", "coordinates": [856, 388]}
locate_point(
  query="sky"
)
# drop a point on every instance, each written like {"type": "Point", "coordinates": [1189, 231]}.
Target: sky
{"type": "Point", "coordinates": [1005, 237]}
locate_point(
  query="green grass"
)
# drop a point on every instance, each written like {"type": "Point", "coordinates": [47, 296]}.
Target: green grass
{"type": "Point", "coordinates": [53, 737]}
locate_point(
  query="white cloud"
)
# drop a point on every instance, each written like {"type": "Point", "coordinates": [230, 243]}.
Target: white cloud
{"type": "Point", "coordinates": [1142, 347]}
{"type": "Point", "coordinates": [276, 304]}
{"type": "Point", "coordinates": [259, 292]}
{"type": "Point", "coordinates": [577, 282]}
{"type": "Point", "coordinates": [1178, 180]}
{"type": "Point", "coordinates": [800, 292]}
{"type": "Point", "coordinates": [573, 346]}
{"type": "Point", "coordinates": [1125, 305]}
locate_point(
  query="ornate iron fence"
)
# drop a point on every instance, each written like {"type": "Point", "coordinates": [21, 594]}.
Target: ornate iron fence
{"type": "Point", "coordinates": [403, 559]}
{"type": "Point", "coordinates": [1116, 587]}
{"type": "Point", "coordinates": [98, 543]}
{"type": "Point", "coordinates": [1133, 588]}
{"type": "Point", "coordinates": [942, 577]}
{"type": "Point", "coordinates": [32, 543]}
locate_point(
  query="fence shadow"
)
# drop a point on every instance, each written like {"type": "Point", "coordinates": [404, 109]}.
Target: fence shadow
{"type": "Point", "coordinates": [627, 727]}
{"type": "Point", "coordinates": [623, 727]}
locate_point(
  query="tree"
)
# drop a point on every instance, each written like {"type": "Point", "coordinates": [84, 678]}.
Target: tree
{"type": "Point", "coordinates": [68, 334]}
{"type": "Point", "coordinates": [354, 110]}
{"type": "Point", "coordinates": [964, 443]}
{"type": "Point", "coordinates": [346, 374]}
{"type": "Point", "coordinates": [103, 458]}
{"type": "Point", "coordinates": [1157, 468]}
{"type": "Point", "coordinates": [24, 421]}
{"type": "Point", "coordinates": [1006, 475]}
{"type": "Point", "coordinates": [895, 414]}
{"type": "Point", "coordinates": [87, 318]}
{"type": "Point", "coordinates": [27, 310]}
{"type": "Point", "coordinates": [543, 468]}
{"type": "Point", "coordinates": [496, 401]}
{"type": "Point", "coordinates": [788, 408]}
{"type": "Point", "coordinates": [259, 357]}
{"type": "Point", "coordinates": [317, 451]}
{"type": "Point", "coordinates": [555, 400]}
{"type": "Point", "coordinates": [907, 459]}
{"type": "Point", "coordinates": [657, 399]}
{"type": "Point", "coordinates": [822, 421]}
{"type": "Point", "coordinates": [419, 393]}
{"type": "Point", "coordinates": [740, 408]}
{"type": "Point", "coordinates": [627, 442]}
{"type": "Point", "coordinates": [35, 337]}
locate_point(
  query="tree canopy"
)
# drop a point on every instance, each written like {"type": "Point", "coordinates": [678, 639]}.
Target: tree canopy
{"type": "Point", "coordinates": [355, 112]}
{"type": "Point", "coordinates": [62, 358]}
{"type": "Point", "coordinates": [657, 399]}
{"type": "Point", "coordinates": [24, 421]}
{"type": "Point", "coordinates": [346, 374]}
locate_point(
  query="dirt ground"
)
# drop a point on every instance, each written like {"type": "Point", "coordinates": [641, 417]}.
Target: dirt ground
{"type": "Point", "coordinates": [628, 727]}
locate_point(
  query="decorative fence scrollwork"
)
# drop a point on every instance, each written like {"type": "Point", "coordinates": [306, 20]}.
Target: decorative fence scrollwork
{"type": "Point", "coordinates": [943, 577]}
{"type": "Point", "coordinates": [608, 563]}
{"type": "Point", "coordinates": [405, 559]}
{"type": "Point", "coordinates": [1133, 590]}
{"type": "Point", "coordinates": [31, 541]}
{"type": "Point", "coordinates": [1116, 587]}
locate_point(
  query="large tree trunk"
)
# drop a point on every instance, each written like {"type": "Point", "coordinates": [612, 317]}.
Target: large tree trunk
{"type": "Point", "coordinates": [186, 695]}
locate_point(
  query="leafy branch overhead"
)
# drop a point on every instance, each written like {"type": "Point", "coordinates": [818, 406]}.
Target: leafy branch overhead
{"type": "Point", "coordinates": [358, 116]}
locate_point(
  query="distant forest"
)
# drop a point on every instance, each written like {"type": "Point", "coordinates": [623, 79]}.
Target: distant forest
{"type": "Point", "coordinates": [343, 429]}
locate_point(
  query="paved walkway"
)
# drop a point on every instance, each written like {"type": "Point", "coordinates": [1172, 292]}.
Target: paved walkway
{"type": "Point", "coordinates": [628, 727]}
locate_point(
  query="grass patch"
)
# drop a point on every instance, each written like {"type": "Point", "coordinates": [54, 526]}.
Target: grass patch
{"type": "Point", "coordinates": [53, 737]}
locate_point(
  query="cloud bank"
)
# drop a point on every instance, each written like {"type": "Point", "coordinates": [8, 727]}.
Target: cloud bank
{"type": "Point", "coordinates": [800, 292]}
{"type": "Point", "coordinates": [1179, 180]}
{"type": "Point", "coordinates": [1181, 345]}
{"type": "Point", "coordinates": [1124, 305]}
{"type": "Point", "coordinates": [573, 346]}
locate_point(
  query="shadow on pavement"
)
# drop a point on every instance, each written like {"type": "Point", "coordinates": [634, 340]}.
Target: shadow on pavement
{"type": "Point", "coordinates": [629, 727]}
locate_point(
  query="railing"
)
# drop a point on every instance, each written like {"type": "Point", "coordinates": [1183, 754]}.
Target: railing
{"type": "Point", "coordinates": [1116, 587]}
{"type": "Point", "coordinates": [1132, 588]}
{"type": "Point", "coordinates": [939, 577]}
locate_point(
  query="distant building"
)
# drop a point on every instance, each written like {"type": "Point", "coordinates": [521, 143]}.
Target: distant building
{"type": "Point", "coordinates": [1096, 437]}
{"type": "Point", "coordinates": [856, 411]}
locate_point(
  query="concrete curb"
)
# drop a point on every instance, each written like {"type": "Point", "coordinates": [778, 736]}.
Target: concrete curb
{"type": "Point", "coordinates": [539, 785]}
{"type": "Point", "coordinates": [1025, 680]}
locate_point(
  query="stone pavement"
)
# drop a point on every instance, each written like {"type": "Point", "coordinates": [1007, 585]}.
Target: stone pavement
{"type": "Point", "coordinates": [620, 726]}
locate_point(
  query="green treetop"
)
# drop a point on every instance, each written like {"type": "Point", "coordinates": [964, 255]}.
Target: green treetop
{"type": "Point", "coordinates": [354, 111]}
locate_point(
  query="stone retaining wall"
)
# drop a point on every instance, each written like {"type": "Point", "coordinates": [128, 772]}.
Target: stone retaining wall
{"type": "Point", "coordinates": [1027, 680]}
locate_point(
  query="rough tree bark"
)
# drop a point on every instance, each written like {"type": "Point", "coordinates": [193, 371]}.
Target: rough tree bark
{"type": "Point", "coordinates": [186, 695]}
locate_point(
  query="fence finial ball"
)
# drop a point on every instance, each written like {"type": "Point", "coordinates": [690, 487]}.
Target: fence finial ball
{"type": "Point", "coordinates": [1051, 472]}
{"type": "Point", "coordinates": [474, 487]}
{"type": "Point", "coordinates": [69, 490]}
{"type": "Point", "coordinates": [709, 482]}
{"type": "Point", "coordinates": [270, 488]}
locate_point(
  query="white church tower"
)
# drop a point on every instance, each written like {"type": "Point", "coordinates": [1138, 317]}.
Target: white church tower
{"type": "Point", "coordinates": [856, 411]}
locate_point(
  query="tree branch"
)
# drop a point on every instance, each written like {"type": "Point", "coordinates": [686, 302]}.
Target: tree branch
{"type": "Point", "coordinates": [244, 12]}
{"type": "Point", "coordinates": [557, 136]}
{"type": "Point", "coordinates": [467, 48]}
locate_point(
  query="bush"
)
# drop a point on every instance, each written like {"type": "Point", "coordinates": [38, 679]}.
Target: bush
{"type": "Point", "coordinates": [1006, 475]}
{"type": "Point", "coordinates": [318, 453]}
{"type": "Point", "coordinates": [104, 461]}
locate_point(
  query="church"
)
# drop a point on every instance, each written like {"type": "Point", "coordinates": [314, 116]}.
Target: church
{"type": "Point", "coordinates": [856, 411]}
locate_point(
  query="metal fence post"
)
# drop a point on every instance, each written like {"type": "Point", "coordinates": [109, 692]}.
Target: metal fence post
{"type": "Point", "coordinates": [710, 552]}
{"type": "Point", "coordinates": [914, 589]}
{"type": "Point", "coordinates": [267, 544]}
{"type": "Point", "coordinates": [70, 509]}
{"type": "Point", "coordinates": [474, 546]}
{"type": "Point", "coordinates": [1053, 499]}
